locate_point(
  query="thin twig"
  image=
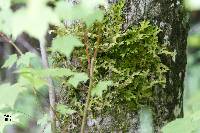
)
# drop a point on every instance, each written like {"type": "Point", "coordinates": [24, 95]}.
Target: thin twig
{"type": "Point", "coordinates": [88, 98]}
{"type": "Point", "coordinates": [52, 95]}
{"type": "Point", "coordinates": [86, 108]}
{"type": "Point", "coordinates": [87, 50]}
{"type": "Point", "coordinates": [8, 40]}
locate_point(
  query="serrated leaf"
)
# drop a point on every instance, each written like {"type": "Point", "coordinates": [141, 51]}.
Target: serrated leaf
{"type": "Point", "coordinates": [25, 59]}
{"type": "Point", "coordinates": [65, 110]}
{"type": "Point", "coordinates": [100, 87]}
{"type": "Point", "coordinates": [97, 15]}
{"type": "Point", "coordinates": [77, 78]}
{"type": "Point", "coordinates": [66, 44]}
{"type": "Point", "coordinates": [85, 11]}
{"type": "Point", "coordinates": [8, 94]}
{"type": "Point", "coordinates": [33, 19]}
{"type": "Point", "coordinates": [30, 80]}
{"type": "Point", "coordinates": [10, 61]}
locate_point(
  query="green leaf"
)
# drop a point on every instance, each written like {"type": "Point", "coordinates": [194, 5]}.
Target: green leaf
{"type": "Point", "coordinates": [85, 11]}
{"type": "Point", "coordinates": [66, 44]}
{"type": "Point", "coordinates": [30, 80]}
{"type": "Point", "coordinates": [100, 87]}
{"type": "Point", "coordinates": [5, 16]}
{"type": "Point", "coordinates": [183, 125]}
{"type": "Point", "coordinates": [65, 110]}
{"type": "Point", "coordinates": [25, 59]}
{"type": "Point", "coordinates": [5, 20]}
{"type": "Point", "coordinates": [55, 72]}
{"type": "Point", "coordinates": [36, 77]}
{"type": "Point", "coordinates": [10, 61]}
{"type": "Point", "coordinates": [97, 15]}
{"type": "Point", "coordinates": [77, 78]}
{"type": "Point", "coordinates": [33, 19]}
{"type": "Point", "coordinates": [8, 94]}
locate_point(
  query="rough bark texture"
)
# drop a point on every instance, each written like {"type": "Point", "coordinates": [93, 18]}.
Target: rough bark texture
{"type": "Point", "coordinates": [170, 16]}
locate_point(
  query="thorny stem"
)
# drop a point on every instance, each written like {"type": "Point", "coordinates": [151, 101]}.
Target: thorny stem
{"type": "Point", "coordinates": [52, 95]}
{"type": "Point", "coordinates": [91, 73]}
{"type": "Point", "coordinates": [8, 40]}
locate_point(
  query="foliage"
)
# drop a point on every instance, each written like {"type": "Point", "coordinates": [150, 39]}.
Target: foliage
{"type": "Point", "coordinates": [100, 87]}
{"type": "Point", "coordinates": [130, 58]}
{"type": "Point", "coordinates": [39, 15]}
{"type": "Point", "coordinates": [123, 64]}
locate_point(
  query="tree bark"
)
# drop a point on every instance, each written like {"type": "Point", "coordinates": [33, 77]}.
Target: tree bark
{"type": "Point", "coordinates": [170, 16]}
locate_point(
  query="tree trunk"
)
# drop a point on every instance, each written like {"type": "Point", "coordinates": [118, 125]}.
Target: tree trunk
{"type": "Point", "coordinates": [170, 16]}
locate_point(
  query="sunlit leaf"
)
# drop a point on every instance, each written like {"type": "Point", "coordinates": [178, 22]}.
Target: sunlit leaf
{"type": "Point", "coordinates": [30, 80]}
{"type": "Point", "coordinates": [55, 72]}
{"type": "Point", "coordinates": [97, 15]}
{"type": "Point", "coordinates": [100, 87]}
{"type": "Point", "coordinates": [65, 110]}
{"type": "Point", "coordinates": [77, 78]}
{"type": "Point", "coordinates": [85, 11]}
{"type": "Point", "coordinates": [33, 19]}
{"type": "Point", "coordinates": [66, 44]}
{"type": "Point", "coordinates": [8, 94]}
{"type": "Point", "coordinates": [5, 16]}
{"type": "Point", "coordinates": [25, 59]}
{"type": "Point", "coordinates": [183, 125]}
{"type": "Point", "coordinates": [10, 61]}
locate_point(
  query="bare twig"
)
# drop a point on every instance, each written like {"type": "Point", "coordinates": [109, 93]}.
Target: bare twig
{"type": "Point", "coordinates": [86, 108]}
{"type": "Point", "coordinates": [8, 40]}
{"type": "Point", "coordinates": [87, 49]}
{"type": "Point", "coordinates": [88, 98]}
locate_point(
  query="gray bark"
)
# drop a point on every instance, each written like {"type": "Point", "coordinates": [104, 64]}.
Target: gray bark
{"type": "Point", "coordinates": [170, 16]}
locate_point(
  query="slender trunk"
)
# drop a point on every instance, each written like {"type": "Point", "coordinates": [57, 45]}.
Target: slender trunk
{"type": "Point", "coordinates": [50, 85]}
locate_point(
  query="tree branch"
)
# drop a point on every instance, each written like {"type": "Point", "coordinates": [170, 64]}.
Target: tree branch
{"type": "Point", "coordinates": [8, 40]}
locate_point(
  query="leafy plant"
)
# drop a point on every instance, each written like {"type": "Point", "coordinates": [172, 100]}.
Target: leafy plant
{"type": "Point", "coordinates": [130, 58]}
{"type": "Point", "coordinates": [36, 25]}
